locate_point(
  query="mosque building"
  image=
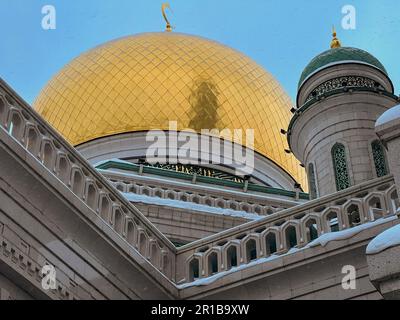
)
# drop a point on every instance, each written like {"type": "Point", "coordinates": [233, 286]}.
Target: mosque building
{"type": "Point", "coordinates": [80, 198]}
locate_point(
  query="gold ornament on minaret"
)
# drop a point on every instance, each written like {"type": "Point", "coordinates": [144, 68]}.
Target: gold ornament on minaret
{"type": "Point", "coordinates": [163, 8]}
{"type": "Point", "coordinates": [335, 41]}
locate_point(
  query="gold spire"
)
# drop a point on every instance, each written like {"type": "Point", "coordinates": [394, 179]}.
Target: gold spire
{"type": "Point", "coordinates": [163, 7]}
{"type": "Point", "coordinates": [335, 41]}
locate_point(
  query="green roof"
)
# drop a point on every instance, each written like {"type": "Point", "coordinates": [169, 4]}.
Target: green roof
{"type": "Point", "coordinates": [201, 179]}
{"type": "Point", "coordinates": [337, 56]}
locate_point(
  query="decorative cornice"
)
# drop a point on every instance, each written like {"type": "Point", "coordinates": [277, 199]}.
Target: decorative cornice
{"type": "Point", "coordinates": [202, 179]}
{"type": "Point", "coordinates": [31, 270]}
{"type": "Point", "coordinates": [348, 82]}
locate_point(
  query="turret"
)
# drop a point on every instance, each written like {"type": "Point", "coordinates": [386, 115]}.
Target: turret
{"type": "Point", "coordinates": [341, 94]}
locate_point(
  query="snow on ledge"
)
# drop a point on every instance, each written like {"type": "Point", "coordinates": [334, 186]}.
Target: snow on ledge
{"type": "Point", "coordinates": [388, 239]}
{"type": "Point", "coordinates": [132, 197]}
{"type": "Point", "coordinates": [389, 115]}
{"type": "Point", "coordinates": [348, 233]}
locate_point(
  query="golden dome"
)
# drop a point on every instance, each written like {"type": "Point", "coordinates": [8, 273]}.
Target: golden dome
{"type": "Point", "coordinates": [141, 82]}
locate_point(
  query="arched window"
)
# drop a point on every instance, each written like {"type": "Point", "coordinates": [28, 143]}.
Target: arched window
{"type": "Point", "coordinates": [251, 250]}
{"type": "Point", "coordinates": [194, 270]}
{"type": "Point", "coordinates": [232, 260]}
{"type": "Point", "coordinates": [333, 222]}
{"type": "Point", "coordinates": [311, 230]}
{"type": "Point", "coordinates": [270, 244]}
{"type": "Point", "coordinates": [291, 237]}
{"type": "Point", "coordinates": [340, 167]}
{"type": "Point", "coordinates": [312, 181]}
{"type": "Point", "coordinates": [379, 159]}
{"type": "Point", "coordinates": [212, 263]}
{"type": "Point", "coordinates": [353, 213]}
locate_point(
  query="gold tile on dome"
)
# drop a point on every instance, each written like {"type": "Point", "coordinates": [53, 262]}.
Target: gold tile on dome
{"type": "Point", "coordinates": [141, 82]}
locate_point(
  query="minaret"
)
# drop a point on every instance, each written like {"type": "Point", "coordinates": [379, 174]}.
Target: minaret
{"type": "Point", "coordinates": [341, 94]}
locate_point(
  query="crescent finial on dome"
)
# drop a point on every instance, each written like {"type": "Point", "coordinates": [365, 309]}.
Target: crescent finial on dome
{"type": "Point", "coordinates": [163, 8]}
{"type": "Point", "coordinates": [335, 41]}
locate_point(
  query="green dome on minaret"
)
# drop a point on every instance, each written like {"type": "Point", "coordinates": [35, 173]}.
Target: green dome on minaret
{"type": "Point", "coordinates": [337, 56]}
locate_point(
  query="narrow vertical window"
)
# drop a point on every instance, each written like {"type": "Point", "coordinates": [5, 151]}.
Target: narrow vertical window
{"type": "Point", "coordinates": [378, 153]}
{"type": "Point", "coordinates": [312, 181]}
{"type": "Point", "coordinates": [340, 167]}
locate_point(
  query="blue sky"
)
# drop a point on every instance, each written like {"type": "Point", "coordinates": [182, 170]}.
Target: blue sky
{"type": "Point", "coordinates": [281, 35]}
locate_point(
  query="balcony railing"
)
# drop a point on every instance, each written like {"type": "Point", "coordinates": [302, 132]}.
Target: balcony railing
{"type": "Point", "coordinates": [291, 228]}
{"type": "Point", "coordinates": [62, 160]}
{"type": "Point", "coordinates": [197, 194]}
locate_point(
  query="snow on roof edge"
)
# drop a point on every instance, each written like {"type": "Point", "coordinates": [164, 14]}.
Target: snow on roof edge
{"type": "Point", "coordinates": [388, 116]}
{"type": "Point", "coordinates": [386, 240]}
